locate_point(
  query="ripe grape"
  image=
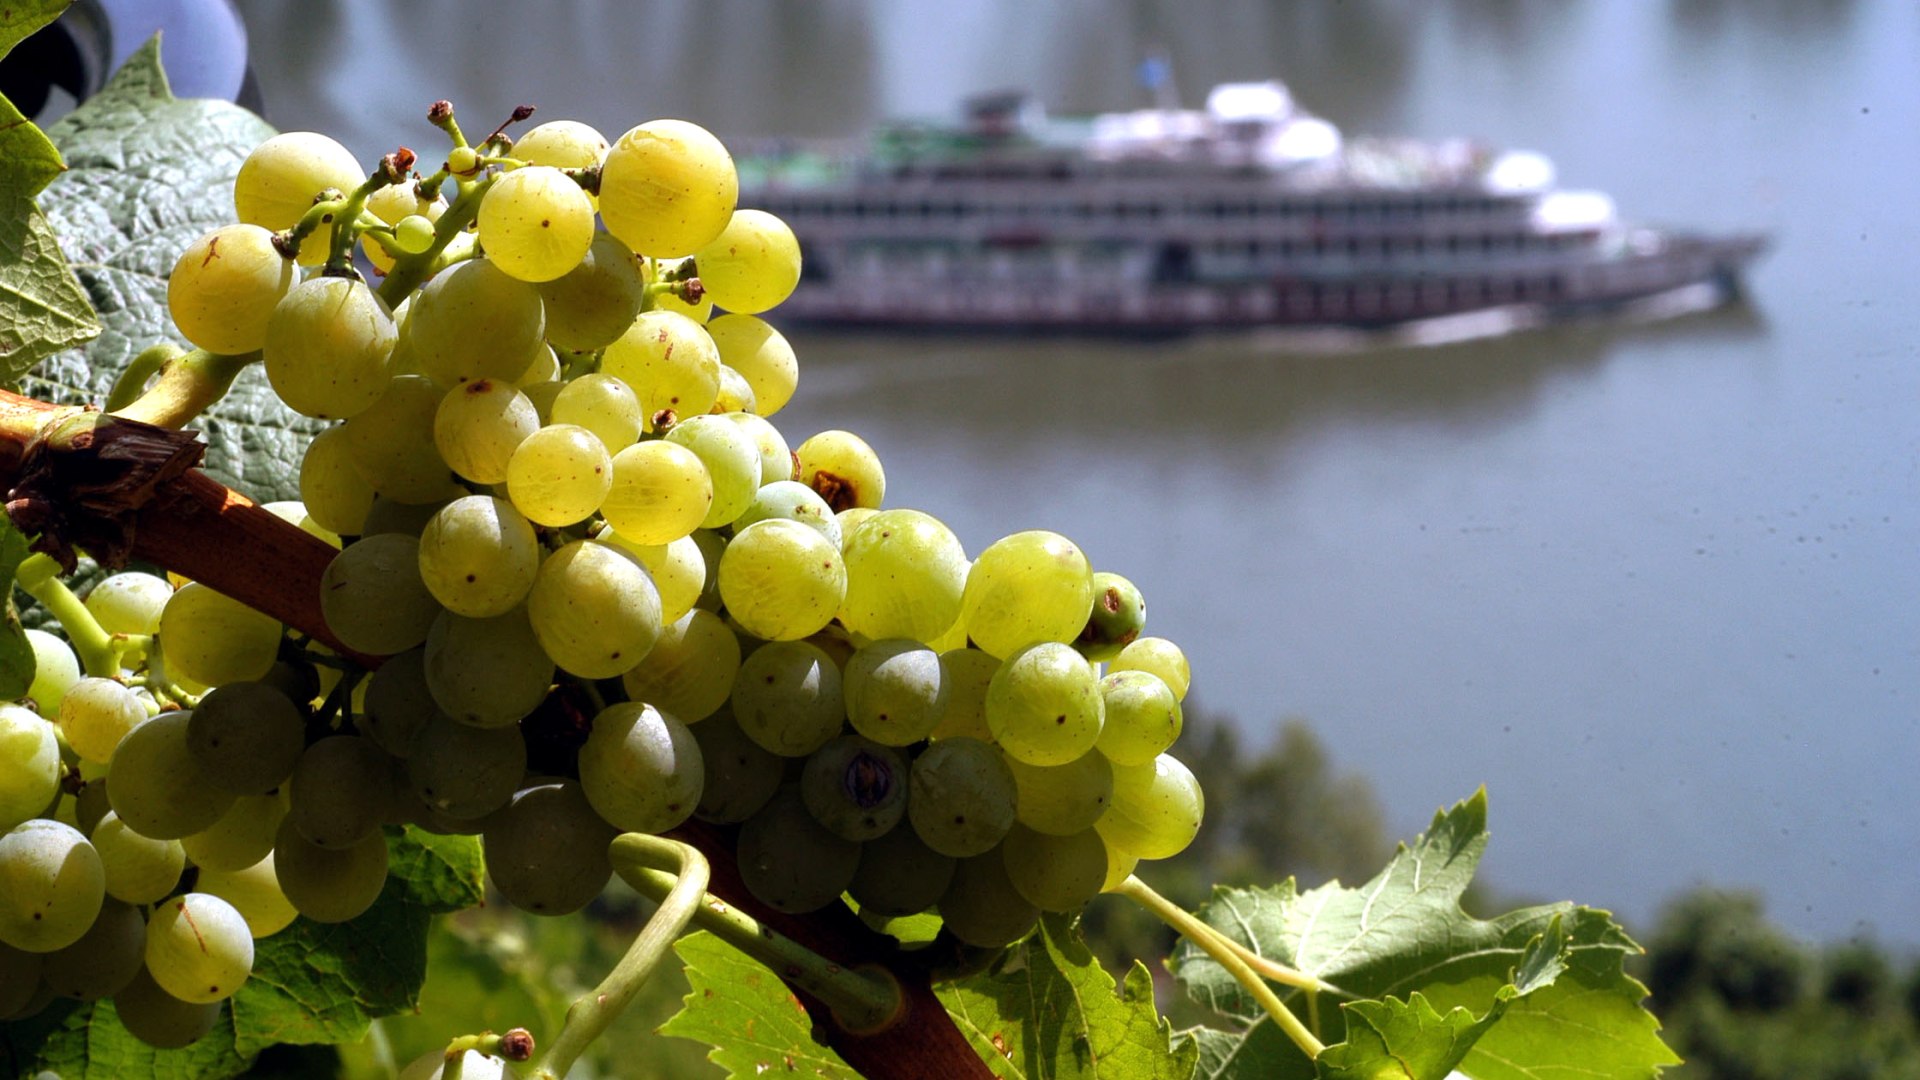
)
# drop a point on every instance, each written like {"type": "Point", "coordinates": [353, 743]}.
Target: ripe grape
{"type": "Point", "coordinates": [1143, 717]}
{"type": "Point", "coordinates": [896, 691]}
{"type": "Point", "coordinates": [398, 703]}
{"type": "Point", "coordinates": [255, 893]}
{"type": "Point", "coordinates": [246, 737]}
{"type": "Point", "coordinates": [667, 187]}
{"type": "Point", "coordinates": [669, 361]}
{"type": "Point", "coordinates": [243, 835]}
{"type": "Point", "coordinates": [339, 791]}
{"type": "Point", "coordinates": [329, 347]}
{"type": "Point", "coordinates": [487, 672]}
{"type": "Point", "coordinates": [1061, 800]}
{"type": "Point", "coordinates": [678, 568]}
{"type": "Point", "coordinates": [326, 885]}
{"type": "Point", "coordinates": [1156, 809]}
{"type": "Point", "coordinates": [278, 182]}
{"type": "Point", "coordinates": [1044, 705]}
{"type": "Point", "coordinates": [781, 580]}
{"type": "Point", "coordinates": [464, 772]}
{"type": "Point", "coordinates": [594, 609]}
{"type": "Point", "coordinates": [139, 869]}
{"type": "Point", "coordinates": [789, 861]}
{"type": "Point", "coordinates": [559, 475]}
{"type": "Point", "coordinates": [547, 850]}
{"type": "Point", "coordinates": [899, 875]}
{"type": "Point", "coordinates": [391, 444]}
{"type": "Point", "coordinates": [373, 597]}
{"type": "Point", "coordinates": [159, 787]}
{"type": "Point", "coordinates": [843, 469]}
{"type": "Point", "coordinates": [739, 775]}
{"type": "Point", "coordinates": [55, 667]}
{"type": "Point", "coordinates": [969, 673]}
{"type": "Point", "coordinates": [1024, 589]}
{"type": "Point", "coordinates": [106, 957]}
{"type": "Point", "coordinates": [752, 265]}
{"type": "Point", "coordinates": [535, 223]}
{"type": "Point", "coordinates": [224, 287]}
{"type": "Point", "coordinates": [660, 492]}
{"type": "Point", "coordinates": [788, 698]}
{"type": "Point", "coordinates": [591, 305]}
{"type": "Point", "coordinates": [95, 715]}
{"type": "Point", "coordinates": [689, 672]}
{"type": "Point", "coordinates": [793, 501]}
{"type": "Point", "coordinates": [475, 321]}
{"type": "Point", "coordinates": [982, 908]}
{"type": "Point", "coordinates": [962, 797]}
{"type": "Point", "coordinates": [198, 948]}
{"type": "Point", "coordinates": [159, 1019]}
{"type": "Point", "coordinates": [1118, 614]}
{"type": "Point", "coordinates": [479, 424]}
{"type": "Point", "coordinates": [641, 770]}
{"type": "Point", "coordinates": [214, 639]}
{"type": "Point", "coordinates": [564, 144]}
{"type": "Point", "coordinates": [732, 461]}
{"type": "Point", "coordinates": [51, 885]}
{"type": "Point", "coordinates": [734, 394]}
{"type": "Point", "coordinates": [855, 787]}
{"type": "Point", "coordinates": [129, 603]}
{"type": "Point", "coordinates": [331, 486]}
{"type": "Point", "coordinates": [1159, 656]}
{"type": "Point", "coordinates": [602, 404]}
{"type": "Point", "coordinates": [29, 764]}
{"type": "Point", "coordinates": [760, 354]}
{"type": "Point", "coordinates": [1055, 873]}
{"type": "Point", "coordinates": [906, 573]}
{"type": "Point", "coordinates": [478, 556]}
{"type": "Point", "coordinates": [776, 460]}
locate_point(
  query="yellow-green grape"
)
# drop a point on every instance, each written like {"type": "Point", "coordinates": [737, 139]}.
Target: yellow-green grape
{"type": "Point", "coordinates": [761, 355]}
{"type": "Point", "coordinates": [969, 673]}
{"type": "Point", "coordinates": [159, 1019]}
{"type": "Point", "coordinates": [787, 697]}
{"type": "Point", "coordinates": [478, 556]}
{"type": "Point", "coordinates": [658, 270]}
{"type": "Point", "coordinates": [1120, 866]}
{"type": "Point", "coordinates": [224, 287]}
{"type": "Point", "coordinates": [412, 218]}
{"type": "Point", "coordinates": [544, 368]}
{"type": "Point", "coordinates": [246, 737]}
{"type": "Point", "coordinates": [130, 602]}
{"type": "Point", "coordinates": [752, 265]}
{"type": "Point", "coordinates": [198, 948]}
{"type": "Point", "coordinates": [789, 861]}
{"type": "Point", "coordinates": [486, 672]}
{"type": "Point", "coordinates": [782, 580]}
{"type": "Point", "coordinates": [95, 715]}
{"type": "Point", "coordinates": [1055, 873]}
{"type": "Point", "coordinates": [594, 609]}
{"type": "Point", "coordinates": [51, 885]}
{"type": "Point", "coordinates": [213, 639]}
{"type": "Point", "coordinates": [106, 957]}
{"type": "Point", "coordinates": [953, 637]}
{"type": "Point", "coordinates": [21, 988]}
{"type": "Point", "coordinates": [329, 347]}
{"type": "Point", "coordinates": [982, 908]}
{"type": "Point", "coordinates": [712, 546]}
{"type": "Point", "coordinates": [667, 187]}
{"type": "Point", "coordinates": [139, 869]}
{"type": "Point", "coordinates": [855, 787]}
{"type": "Point", "coordinates": [546, 850]}
{"type": "Point", "coordinates": [391, 444]}
{"type": "Point", "coordinates": [896, 691]}
{"type": "Point", "coordinates": [793, 501]}
{"type": "Point", "coordinates": [1142, 717]}
{"type": "Point", "coordinates": [29, 764]}
{"type": "Point", "coordinates": [243, 835]}
{"type": "Point", "coordinates": [1119, 614]}
{"type": "Point", "coordinates": [850, 519]}
{"type": "Point", "coordinates": [294, 512]}
{"type": "Point", "coordinates": [899, 875]}
{"type": "Point", "coordinates": [602, 404]}
{"type": "Point", "coordinates": [479, 424]}
{"type": "Point", "coordinates": [660, 492]}
{"type": "Point", "coordinates": [776, 459]}
{"type": "Point", "coordinates": [732, 461]}
{"type": "Point", "coordinates": [339, 792]}
{"type": "Point", "coordinates": [254, 892]}
{"type": "Point", "coordinates": [593, 303]}
{"type": "Point", "coordinates": [1159, 656]}
{"type": "Point", "coordinates": [475, 321]}
{"type": "Point", "coordinates": [1027, 588]}
{"type": "Point", "coordinates": [689, 672]}
{"type": "Point", "coordinates": [157, 785]}
{"type": "Point", "coordinates": [1061, 800]}
{"type": "Point", "coordinates": [1044, 705]}
{"type": "Point", "coordinates": [679, 570]}
{"type": "Point", "coordinates": [740, 774]}
{"type": "Point", "coordinates": [463, 773]}
{"type": "Point", "coordinates": [906, 573]}
{"type": "Point", "coordinates": [373, 597]}
{"type": "Point", "coordinates": [535, 223]}
{"type": "Point", "coordinates": [331, 486]}
{"type": "Point", "coordinates": [542, 395]}
{"type": "Point", "coordinates": [641, 769]}
{"type": "Point", "coordinates": [1156, 809]}
{"type": "Point", "coordinates": [326, 885]}
{"type": "Point", "coordinates": [558, 475]}
{"type": "Point", "coordinates": [280, 179]}
{"type": "Point", "coordinates": [669, 362]}
{"type": "Point", "coordinates": [397, 703]}
{"type": "Point", "coordinates": [963, 798]}
{"type": "Point", "coordinates": [735, 395]}
{"type": "Point", "coordinates": [563, 144]}
{"type": "Point", "coordinates": [844, 470]}
{"type": "Point", "coordinates": [56, 668]}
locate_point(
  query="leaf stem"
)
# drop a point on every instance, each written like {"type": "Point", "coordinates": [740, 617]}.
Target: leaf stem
{"type": "Point", "coordinates": [1230, 956]}
{"type": "Point", "coordinates": [39, 577]}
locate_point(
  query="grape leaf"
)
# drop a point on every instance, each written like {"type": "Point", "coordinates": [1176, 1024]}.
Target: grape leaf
{"type": "Point", "coordinates": [21, 19]}
{"type": "Point", "coordinates": [147, 174]}
{"type": "Point", "coordinates": [753, 1022]}
{"type": "Point", "coordinates": [1048, 1009]}
{"type": "Point", "coordinates": [86, 1041]}
{"type": "Point", "coordinates": [1404, 932]}
{"type": "Point", "coordinates": [16, 653]}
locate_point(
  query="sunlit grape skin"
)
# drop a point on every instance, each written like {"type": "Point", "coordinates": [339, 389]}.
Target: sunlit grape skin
{"type": "Point", "coordinates": [329, 347]}
{"type": "Point", "coordinates": [752, 265]}
{"type": "Point", "coordinates": [1024, 589]}
{"type": "Point", "coordinates": [667, 187]}
{"type": "Point", "coordinates": [223, 289]}
{"type": "Point", "coordinates": [535, 223]}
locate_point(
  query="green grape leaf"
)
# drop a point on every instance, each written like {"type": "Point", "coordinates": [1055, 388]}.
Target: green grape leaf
{"type": "Point", "coordinates": [438, 873]}
{"type": "Point", "coordinates": [16, 653]}
{"type": "Point", "coordinates": [1404, 932]}
{"type": "Point", "coordinates": [1048, 1009]}
{"type": "Point", "coordinates": [147, 174]}
{"type": "Point", "coordinates": [21, 19]}
{"type": "Point", "coordinates": [753, 1022]}
{"type": "Point", "coordinates": [86, 1041]}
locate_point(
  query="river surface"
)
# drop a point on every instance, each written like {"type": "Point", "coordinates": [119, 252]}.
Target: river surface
{"type": "Point", "coordinates": [1658, 586]}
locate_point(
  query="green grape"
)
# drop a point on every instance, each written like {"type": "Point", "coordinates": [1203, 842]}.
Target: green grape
{"type": "Point", "coordinates": [734, 395]}
{"type": "Point", "coordinates": [752, 265]}
{"type": "Point", "coordinates": [545, 367]}
{"type": "Point", "coordinates": [670, 363]}
{"type": "Point", "coordinates": [243, 835]}
{"type": "Point", "coordinates": [213, 639]}
{"type": "Point", "coordinates": [246, 737]}
{"type": "Point", "coordinates": [732, 461]}
{"type": "Point", "coordinates": [280, 178]}
{"type": "Point", "coordinates": [329, 347]}
{"type": "Point", "coordinates": [51, 885]}
{"type": "Point", "coordinates": [1119, 612]}
{"type": "Point", "coordinates": [391, 444]}
{"type": "Point", "coordinates": [129, 603]}
{"type": "Point", "coordinates": [95, 715]}
{"type": "Point", "coordinates": [198, 948]}
{"type": "Point", "coordinates": [602, 404]}
{"type": "Point", "coordinates": [982, 908]}
{"type": "Point", "coordinates": [1026, 588]}
{"type": "Point", "coordinates": [899, 875]}
{"type": "Point", "coordinates": [138, 870]}
{"type": "Point", "coordinates": [298, 679]}
{"type": "Point", "coordinates": [851, 519]}
{"type": "Point", "coordinates": [679, 570]}
{"type": "Point", "coordinates": [660, 492]}
{"type": "Point", "coordinates": [781, 580]}
{"type": "Point", "coordinates": [477, 426]}
{"type": "Point", "coordinates": [326, 885]}
{"type": "Point", "coordinates": [411, 215]}
{"type": "Point", "coordinates": [475, 321]}
{"type": "Point", "coordinates": [398, 703]}
{"type": "Point", "coordinates": [331, 486]}
{"type": "Point", "coordinates": [1044, 705]}
{"type": "Point", "coordinates": [413, 233]}
{"type": "Point", "coordinates": [294, 512]}
{"type": "Point", "coordinates": [969, 673]}
{"type": "Point", "coordinates": [896, 691]}
{"type": "Point", "coordinates": [255, 893]}
{"type": "Point", "coordinates": [91, 804]}
{"type": "Point", "coordinates": [547, 850]}
{"type": "Point", "coordinates": [1159, 656]}
{"type": "Point", "coordinates": [559, 475]}
{"type": "Point", "coordinates": [787, 697]}
{"type": "Point", "coordinates": [843, 469]}
{"type": "Point", "coordinates": [641, 769]}
{"type": "Point", "coordinates": [659, 270]}
{"type": "Point", "coordinates": [535, 223]}
{"type": "Point", "coordinates": [55, 667]}
{"type": "Point", "coordinates": [594, 609]}
{"type": "Point", "coordinates": [789, 861]}
{"type": "Point", "coordinates": [487, 672]}
{"type": "Point", "coordinates": [962, 797]}
{"type": "Point", "coordinates": [373, 597]}
{"type": "Point", "coordinates": [478, 556]}
{"type": "Point", "coordinates": [337, 792]}
{"type": "Point", "coordinates": [404, 519]}
{"type": "Point", "coordinates": [689, 672]}
{"type": "Point", "coordinates": [1061, 800]}
{"type": "Point", "coordinates": [159, 787]}
{"type": "Point", "coordinates": [793, 501]}
{"type": "Point", "coordinates": [224, 288]}
{"type": "Point", "coordinates": [712, 546]}
{"type": "Point", "coordinates": [29, 764]}
{"type": "Point", "coordinates": [1156, 809]}
{"type": "Point", "coordinates": [1120, 866]}
{"type": "Point", "coordinates": [855, 787]}
{"type": "Point", "coordinates": [776, 460]}
{"type": "Point", "coordinates": [1055, 873]}
{"type": "Point", "coordinates": [474, 1065]}
{"type": "Point", "coordinates": [159, 1019]}
{"type": "Point", "coordinates": [760, 354]}
{"type": "Point", "coordinates": [591, 305]}
{"type": "Point", "coordinates": [564, 144]}
{"type": "Point", "coordinates": [19, 981]}
{"type": "Point", "coordinates": [106, 957]}
{"type": "Point", "coordinates": [1142, 717]}
{"type": "Point", "coordinates": [906, 573]}
{"type": "Point", "coordinates": [667, 187]}
{"type": "Point", "coordinates": [464, 772]}
{"type": "Point", "coordinates": [738, 774]}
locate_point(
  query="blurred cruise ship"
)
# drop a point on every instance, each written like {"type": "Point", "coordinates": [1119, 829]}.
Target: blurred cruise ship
{"type": "Point", "coordinates": [1249, 212]}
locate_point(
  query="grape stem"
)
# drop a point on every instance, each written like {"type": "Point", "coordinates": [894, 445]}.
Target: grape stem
{"type": "Point", "coordinates": [1230, 955]}
{"type": "Point", "coordinates": [39, 577]}
{"type": "Point", "coordinates": [595, 1011]}
{"type": "Point", "coordinates": [188, 384]}
{"type": "Point", "coordinates": [133, 379]}
{"type": "Point", "coordinates": [408, 272]}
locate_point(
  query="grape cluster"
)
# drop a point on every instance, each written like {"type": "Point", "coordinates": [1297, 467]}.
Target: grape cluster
{"type": "Point", "coordinates": [609, 596]}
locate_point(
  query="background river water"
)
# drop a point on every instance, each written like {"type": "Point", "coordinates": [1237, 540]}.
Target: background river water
{"type": "Point", "coordinates": [1656, 585]}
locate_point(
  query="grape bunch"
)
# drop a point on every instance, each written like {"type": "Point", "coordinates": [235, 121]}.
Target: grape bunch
{"type": "Point", "coordinates": [605, 593]}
